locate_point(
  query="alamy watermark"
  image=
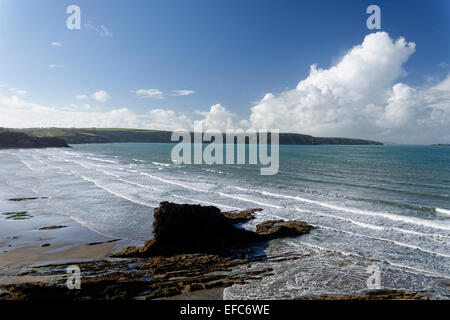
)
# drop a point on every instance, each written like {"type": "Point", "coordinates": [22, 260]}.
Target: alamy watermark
{"type": "Point", "coordinates": [74, 277]}
{"type": "Point", "coordinates": [74, 20]}
{"type": "Point", "coordinates": [233, 141]}
{"type": "Point", "coordinates": [373, 282]}
{"type": "Point", "coordinates": [374, 20]}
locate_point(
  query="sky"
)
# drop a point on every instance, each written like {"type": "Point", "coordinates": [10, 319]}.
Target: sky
{"type": "Point", "coordinates": [309, 67]}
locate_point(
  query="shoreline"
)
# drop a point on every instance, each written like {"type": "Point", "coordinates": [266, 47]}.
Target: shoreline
{"type": "Point", "coordinates": [42, 238]}
{"type": "Point", "coordinates": [184, 276]}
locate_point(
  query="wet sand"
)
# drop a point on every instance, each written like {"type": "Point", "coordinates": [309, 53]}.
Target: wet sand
{"type": "Point", "coordinates": [46, 238]}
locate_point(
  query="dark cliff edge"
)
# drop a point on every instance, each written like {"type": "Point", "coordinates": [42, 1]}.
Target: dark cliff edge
{"type": "Point", "coordinates": [108, 135]}
{"type": "Point", "coordinates": [16, 140]}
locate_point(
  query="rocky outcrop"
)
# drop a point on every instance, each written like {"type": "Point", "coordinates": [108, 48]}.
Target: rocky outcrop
{"type": "Point", "coordinates": [274, 229]}
{"type": "Point", "coordinates": [149, 278]}
{"type": "Point", "coordinates": [184, 228]}
{"type": "Point", "coordinates": [240, 216]}
{"type": "Point", "coordinates": [9, 140]}
{"type": "Point", "coordinates": [194, 248]}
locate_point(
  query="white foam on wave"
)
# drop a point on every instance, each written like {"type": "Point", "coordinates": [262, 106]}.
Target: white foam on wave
{"type": "Point", "coordinates": [348, 253]}
{"type": "Point", "coordinates": [83, 164]}
{"type": "Point", "coordinates": [249, 200]}
{"type": "Point", "coordinates": [118, 194]}
{"type": "Point", "coordinates": [102, 160]}
{"type": "Point", "coordinates": [358, 223]}
{"type": "Point", "coordinates": [161, 164]}
{"type": "Point", "coordinates": [215, 171]}
{"type": "Point", "coordinates": [111, 174]}
{"type": "Point", "coordinates": [401, 244]}
{"type": "Point", "coordinates": [76, 154]}
{"type": "Point", "coordinates": [127, 181]}
{"type": "Point", "coordinates": [37, 159]}
{"type": "Point", "coordinates": [372, 226]}
{"type": "Point", "coordinates": [405, 219]}
{"type": "Point", "coordinates": [27, 165]}
{"type": "Point", "coordinates": [436, 235]}
{"type": "Point", "coordinates": [443, 211]}
{"type": "Point", "coordinates": [171, 182]}
{"type": "Point", "coordinates": [138, 160]}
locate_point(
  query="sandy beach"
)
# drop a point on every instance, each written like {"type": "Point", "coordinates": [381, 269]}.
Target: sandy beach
{"type": "Point", "coordinates": [44, 238]}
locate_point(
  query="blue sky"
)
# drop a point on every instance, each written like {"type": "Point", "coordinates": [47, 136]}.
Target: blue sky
{"type": "Point", "coordinates": [227, 52]}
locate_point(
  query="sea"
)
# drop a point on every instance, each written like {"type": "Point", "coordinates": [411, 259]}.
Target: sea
{"type": "Point", "coordinates": [381, 213]}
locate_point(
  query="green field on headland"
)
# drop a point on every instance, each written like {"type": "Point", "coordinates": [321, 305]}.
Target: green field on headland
{"type": "Point", "coordinates": [105, 135]}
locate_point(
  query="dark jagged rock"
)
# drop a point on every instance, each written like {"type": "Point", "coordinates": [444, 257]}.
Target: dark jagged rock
{"type": "Point", "coordinates": [26, 199]}
{"type": "Point", "coordinates": [102, 242]}
{"type": "Point", "coordinates": [184, 228]}
{"type": "Point", "coordinates": [10, 140]}
{"type": "Point", "coordinates": [149, 278]}
{"type": "Point", "coordinates": [51, 228]}
{"type": "Point", "coordinates": [241, 216]}
{"type": "Point", "coordinates": [278, 229]}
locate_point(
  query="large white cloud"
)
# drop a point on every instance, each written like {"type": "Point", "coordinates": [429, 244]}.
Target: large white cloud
{"type": "Point", "coordinates": [358, 97]}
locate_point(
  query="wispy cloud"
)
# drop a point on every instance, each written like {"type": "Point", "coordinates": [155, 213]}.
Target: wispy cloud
{"type": "Point", "coordinates": [100, 29]}
{"type": "Point", "coordinates": [149, 93]}
{"type": "Point", "coordinates": [100, 96]}
{"type": "Point", "coordinates": [443, 65]}
{"type": "Point", "coordinates": [18, 91]}
{"type": "Point", "coordinates": [82, 97]}
{"type": "Point", "coordinates": [53, 66]}
{"type": "Point", "coordinates": [56, 44]}
{"type": "Point", "coordinates": [182, 92]}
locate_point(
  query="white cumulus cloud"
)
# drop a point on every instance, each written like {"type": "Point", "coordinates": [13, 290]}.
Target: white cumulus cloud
{"type": "Point", "coordinates": [360, 97]}
{"type": "Point", "coordinates": [218, 117]}
{"type": "Point", "coordinates": [101, 96]}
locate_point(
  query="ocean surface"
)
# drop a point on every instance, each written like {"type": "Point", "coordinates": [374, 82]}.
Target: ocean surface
{"type": "Point", "coordinates": [382, 206]}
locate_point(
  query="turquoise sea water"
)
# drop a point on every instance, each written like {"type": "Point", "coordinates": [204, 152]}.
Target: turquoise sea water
{"type": "Point", "coordinates": [387, 206]}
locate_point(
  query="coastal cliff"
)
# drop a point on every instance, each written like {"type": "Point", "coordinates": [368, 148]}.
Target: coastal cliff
{"type": "Point", "coordinates": [108, 135]}
{"type": "Point", "coordinates": [9, 140]}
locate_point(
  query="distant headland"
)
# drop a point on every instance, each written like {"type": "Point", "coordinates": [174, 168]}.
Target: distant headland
{"type": "Point", "coordinates": [108, 135]}
{"type": "Point", "coordinates": [13, 140]}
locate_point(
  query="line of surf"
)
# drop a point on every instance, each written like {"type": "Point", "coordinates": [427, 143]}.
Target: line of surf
{"type": "Point", "coordinates": [118, 194]}
{"type": "Point", "coordinates": [405, 219]}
